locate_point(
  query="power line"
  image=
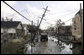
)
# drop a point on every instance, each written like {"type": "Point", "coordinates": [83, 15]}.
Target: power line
{"type": "Point", "coordinates": [68, 14]}
{"type": "Point", "coordinates": [42, 4]}
{"type": "Point", "coordinates": [17, 11]}
{"type": "Point", "coordinates": [29, 14]}
{"type": "Point", "coordinates": [26, 11]}
{"type": "Point", "coordinates": [49, 23]}
{"type": "Point", "coordinates": [46, 3]}
{"type": "Point", "coordinates": [65, 13]}
{"type": "Point", "coordinates": [68, 20]}
{"type": "Point", "coordinates": [64, 16]}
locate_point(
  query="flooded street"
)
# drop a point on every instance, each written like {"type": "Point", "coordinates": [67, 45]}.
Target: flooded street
{"type": "Point", "coordinates": [49, 47]}
{"type": "Point", "coordinates": [66, 50]}
{"type": "Point", "coordinates": [28, 49]}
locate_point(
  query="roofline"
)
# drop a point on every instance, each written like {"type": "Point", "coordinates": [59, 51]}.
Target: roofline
{"type": "Point", "coordinates": [12, 21]}
{"type": "Point", "coordinates": [78, 12]}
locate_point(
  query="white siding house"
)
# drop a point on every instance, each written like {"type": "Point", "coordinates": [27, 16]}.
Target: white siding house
{"type": "Point", "coordinates": [11, 30]}
{"type": "Point", "coordinates": [11, 27]}
{"type": "Point", "coordinates": [19, 26]}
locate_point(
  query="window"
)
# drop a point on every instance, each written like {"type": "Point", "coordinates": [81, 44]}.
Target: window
{"type": "Point", "coordinates": [74, 25]}
{"type": "Point", "coordinates": [74, 28]}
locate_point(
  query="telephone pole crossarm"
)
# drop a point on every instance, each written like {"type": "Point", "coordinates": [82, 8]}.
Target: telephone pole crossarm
{"type": "Point", "coordinates": [43, 16]}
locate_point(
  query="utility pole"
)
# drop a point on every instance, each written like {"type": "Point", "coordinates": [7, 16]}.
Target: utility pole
{"type": "Point", "coordinates": [81, 25]}
{"type": "Point", "coordinates": [38, 30]}
{"type": "Point", "coordinates": [41, 19]}
{"type": "Point", "coordinates": [31, 36]}
{"type": "Point", "coordinates": [43, 16]}
{"type": "Point", "coordinates": [37, 22]}
{"type": "Point", "coordinates": [31, 32]}
{"type": "Point", "coordinates": [57, 30]}
{"type": "Point", "coordinates": [2, 19]}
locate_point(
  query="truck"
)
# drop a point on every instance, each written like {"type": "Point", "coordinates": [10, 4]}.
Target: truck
{"type": "Point", "coordinates": [44, 37]}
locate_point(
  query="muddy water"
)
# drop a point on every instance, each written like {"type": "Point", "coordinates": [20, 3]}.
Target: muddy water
{"type": "Point", "coordinates": [77, 49]}
{"type": "Point", "coordinates": [51, 47]}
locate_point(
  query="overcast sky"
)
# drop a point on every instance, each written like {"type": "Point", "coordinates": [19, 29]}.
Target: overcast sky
{"type": "Point", "coordinates": [63, 10]}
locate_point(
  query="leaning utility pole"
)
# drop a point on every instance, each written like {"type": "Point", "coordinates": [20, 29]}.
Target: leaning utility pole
{"type": "Point", "coordinates": [43, 16]}
{"type": "Point", "coordinates": [41, 20]}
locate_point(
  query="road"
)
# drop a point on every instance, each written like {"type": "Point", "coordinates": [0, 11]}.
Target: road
{"type": "Point", "coordinates": [50, 47]}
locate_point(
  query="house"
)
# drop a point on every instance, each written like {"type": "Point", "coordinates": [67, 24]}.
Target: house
{"type": "Point", "coordinates": [64, 30]}
{"type": "Point", "coordinates": [76, 25]}
{"type": "Point", "coordinates": [13, 28]}
{"type": "Point", "coordinates": [77, 31]}
{"type": "Point", "coordinates": [65, 33]}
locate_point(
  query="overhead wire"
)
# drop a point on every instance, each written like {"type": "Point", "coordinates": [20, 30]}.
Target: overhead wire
{"type": "Point", "coordinates": [67, 14]}
{"type": "Point", "coordinates": [69, 19]}
{"type": "Point", "coordinates": [64, 13]}
{"type": "Point", "coordinates": [46, 3]}
{"type": "Point", "coordinates": [29, 14]}
{"type": "Point", "coordinates": [17, 11]}
{"type": "Point", "coordinates": [41, 4]}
